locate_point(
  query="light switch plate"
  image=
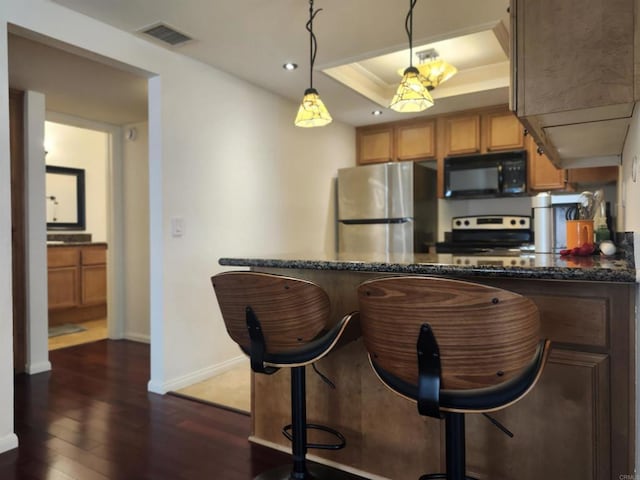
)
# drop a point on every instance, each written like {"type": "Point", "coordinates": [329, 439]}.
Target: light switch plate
{"type": "Point", "coordinates": [177, 226]}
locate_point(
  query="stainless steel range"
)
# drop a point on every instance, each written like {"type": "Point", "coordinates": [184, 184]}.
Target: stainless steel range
{"type": "Point", "coordinates": [496, 235]}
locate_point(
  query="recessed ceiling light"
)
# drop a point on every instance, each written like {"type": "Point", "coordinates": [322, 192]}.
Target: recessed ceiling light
{"type": "Point", "coordinates": [290, 66]}
{"type": "Point", "coordinates": [376, 113]}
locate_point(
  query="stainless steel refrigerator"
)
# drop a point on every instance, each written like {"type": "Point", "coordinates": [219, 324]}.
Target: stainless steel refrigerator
{"type": "Point", "coordinates": [387, 208]}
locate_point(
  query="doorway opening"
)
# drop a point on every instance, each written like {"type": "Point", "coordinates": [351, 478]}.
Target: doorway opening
{"type": "Point", "coordinates": [86, 94]}
{"type": "Point", "coordinates": [77, 209]}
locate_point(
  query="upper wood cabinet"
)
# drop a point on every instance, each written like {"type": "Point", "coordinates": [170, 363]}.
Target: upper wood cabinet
{"type": "Point", "coordinates": [479, 131]}
{"type": "Point", "coordinates": [374, 144]}
{"type": "Point", "coordinates": [482, 131]}
{"type": "Point", "coordinates": [461, 134]}
{"type": "Point", "coordinates": [594, 175]}
{"type": "Point", "coordinates": [503, 131]}
{"type": "Point", "coordinates": [574, 81]}
{"type": "Point", "coordinates": [416, 140]}
{"type": "Point", "coordinates": [410, 140]}
{"type": "Point", "coordinates": [542, 174]}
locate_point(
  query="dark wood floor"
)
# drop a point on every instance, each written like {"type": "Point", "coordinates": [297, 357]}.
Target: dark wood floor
{"type": "Point", "coordinates": [92, 418]}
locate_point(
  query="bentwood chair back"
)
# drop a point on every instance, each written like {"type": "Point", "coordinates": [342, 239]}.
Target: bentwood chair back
{"type": "Point", "coordinates": [292, 312]}
{"type": "Point", "coordinates": [451, 346]}
{"type": "Point", "coordinates": [280, 322]}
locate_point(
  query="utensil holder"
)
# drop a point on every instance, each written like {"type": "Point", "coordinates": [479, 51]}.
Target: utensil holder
{"type": "Point", "coordinates": [579, 232]}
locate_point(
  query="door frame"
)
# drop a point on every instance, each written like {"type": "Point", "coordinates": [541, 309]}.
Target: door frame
{"type": "Point", "coordinates": [18, 229]}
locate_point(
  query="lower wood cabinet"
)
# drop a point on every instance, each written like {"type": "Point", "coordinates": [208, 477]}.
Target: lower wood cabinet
{"type": "Point", "coordinates": [77, 283]}
{"type": "Point", "coordinates": [577, 423]}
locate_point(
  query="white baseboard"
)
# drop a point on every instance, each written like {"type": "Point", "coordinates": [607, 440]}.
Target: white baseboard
{"type": "Point", "coordinates": [8, 442]}
{"type": "Point", "coordinates": [156, 387]}
{"type": "Point", "coordinates": [315, 458]}
{"type": "Point", "coordinates": [195, 377]}
{"type": "Point", "coordinates": [40, 367]}
{"type": "Point", "coordinates": [137, 337]}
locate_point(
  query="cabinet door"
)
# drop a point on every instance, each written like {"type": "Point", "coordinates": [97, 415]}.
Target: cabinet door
{"type": "Point", "coordinates": [94, 284]}
{"type": "Point", "coordinates": [559, 67]}
{"type": "Point", "coordinates": [573, 393]}
{"type": "Point", "coordinates": [416, 141]}
{"type": "Point", "coordinates": [462, 134]}
{"type": "Point", "coordinates": [503, 131]}
{"type": "Point", "coordinates": [63, 287]}
{"type": "Point", "coordinates": [375, 145]}
{"type": "Point", "coordinates": [543, 175]}
{"type": "Point", "coordinates": [592, 175]}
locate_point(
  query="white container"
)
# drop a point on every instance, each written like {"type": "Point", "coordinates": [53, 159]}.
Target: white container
{"type": "Point", "coordinates": [543, 223]}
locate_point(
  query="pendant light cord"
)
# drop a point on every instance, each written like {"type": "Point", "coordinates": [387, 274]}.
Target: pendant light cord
{"type": "Point", "coordinates": [408, 26]}
{"type": "Point", "coordinates": [313, 44]}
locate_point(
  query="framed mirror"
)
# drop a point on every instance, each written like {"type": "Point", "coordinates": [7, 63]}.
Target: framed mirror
{"type": "Point", "coordinates": [65, 198]}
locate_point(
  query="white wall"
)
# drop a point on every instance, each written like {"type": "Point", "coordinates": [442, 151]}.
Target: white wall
{"type": "Point", "coordinates": [244, 185]}
{"type": "Point", "coordinates": [8, 439]}
{"type": "Point", "coordinates": [630, 213]}
{"type": "Point", "coordinates": [36, 251]}
{"type": "Point", "coordinates": [630, 188]}
{"type": "Point", "coordinates": [242, 177]}
{"type": "Point", "coordinates": [135, 192]}
{"type": "Point", "coordinates": [74, 147]}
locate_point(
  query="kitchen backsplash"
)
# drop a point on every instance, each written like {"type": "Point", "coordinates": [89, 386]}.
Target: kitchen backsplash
{"type": "Point", "coordinates": [447, 209]}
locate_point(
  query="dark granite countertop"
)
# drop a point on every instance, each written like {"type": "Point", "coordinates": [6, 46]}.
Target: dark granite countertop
{"type": "Point", "coordinates": [527, 266]}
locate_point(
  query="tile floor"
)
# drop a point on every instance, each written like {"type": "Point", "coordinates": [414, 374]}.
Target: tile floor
{"type": "Point", "coordinates": [95, 330]}
{"type": "Point", "coordinates": [230, 389]}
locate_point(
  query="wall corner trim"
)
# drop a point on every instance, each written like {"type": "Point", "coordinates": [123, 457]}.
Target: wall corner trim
{"type": "Point", "coordinates": [8, 442]}
{"type": "Point", "coordinates": [39, 367]}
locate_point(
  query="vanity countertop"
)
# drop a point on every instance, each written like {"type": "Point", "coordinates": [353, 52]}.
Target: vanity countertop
{"type": "Point", "coordinates": [56, 243]}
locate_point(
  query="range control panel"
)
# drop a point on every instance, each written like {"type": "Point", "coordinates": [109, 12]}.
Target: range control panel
{"type": "Point", "coordinates": [491, 222]}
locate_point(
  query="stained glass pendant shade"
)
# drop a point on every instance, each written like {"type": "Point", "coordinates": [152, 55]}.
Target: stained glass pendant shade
{"type": "Point", "coordinates": [312, 111]}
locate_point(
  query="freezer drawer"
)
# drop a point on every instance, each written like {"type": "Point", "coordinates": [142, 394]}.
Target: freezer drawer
{"type": "Point", "coordinates": [375, 238]}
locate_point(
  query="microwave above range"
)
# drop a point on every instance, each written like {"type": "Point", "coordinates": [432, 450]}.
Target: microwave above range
{"type": "Point", "coordinates": [501, 174]}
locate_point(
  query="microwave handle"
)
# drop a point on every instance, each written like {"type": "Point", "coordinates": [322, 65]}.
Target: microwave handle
{"type": "Point", "coordinates": [500, 179]}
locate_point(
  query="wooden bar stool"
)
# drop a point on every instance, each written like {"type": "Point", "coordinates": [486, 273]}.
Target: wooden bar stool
{"type": "Point", "coordinates": [453, 347]}
{"type": "Point", "coordinates": [281, 322]}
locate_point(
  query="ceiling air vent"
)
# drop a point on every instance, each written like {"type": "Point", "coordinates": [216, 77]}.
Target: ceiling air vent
{"type": "Point", "coordinates": [166, 34]}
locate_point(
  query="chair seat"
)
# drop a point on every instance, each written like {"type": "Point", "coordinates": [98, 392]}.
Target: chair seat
{"type": "Point", "coordinates": [476, 399]}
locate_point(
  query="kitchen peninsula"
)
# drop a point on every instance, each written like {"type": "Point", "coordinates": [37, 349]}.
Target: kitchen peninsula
{"type": "Point", "coordinates": [578, 423]}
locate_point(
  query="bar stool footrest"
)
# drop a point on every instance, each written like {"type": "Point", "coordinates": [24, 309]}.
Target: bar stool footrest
{"type": "Point", "coordinates": [319, 446]}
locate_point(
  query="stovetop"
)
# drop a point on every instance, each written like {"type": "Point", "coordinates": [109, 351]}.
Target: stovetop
{"type": "Point", "coordinates": [498, 235]}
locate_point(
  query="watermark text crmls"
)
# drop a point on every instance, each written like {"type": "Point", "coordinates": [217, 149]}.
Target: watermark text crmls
{"type": "Point", "coordinates": [629, 476]}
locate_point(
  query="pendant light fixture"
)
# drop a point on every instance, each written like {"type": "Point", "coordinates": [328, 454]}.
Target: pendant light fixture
{"type": "Point", "coordinates": [312, 112]}
{"type": "Point", "coordinates": [434, 69]}
{"type": "Point", "coordinates": [412, 95]}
